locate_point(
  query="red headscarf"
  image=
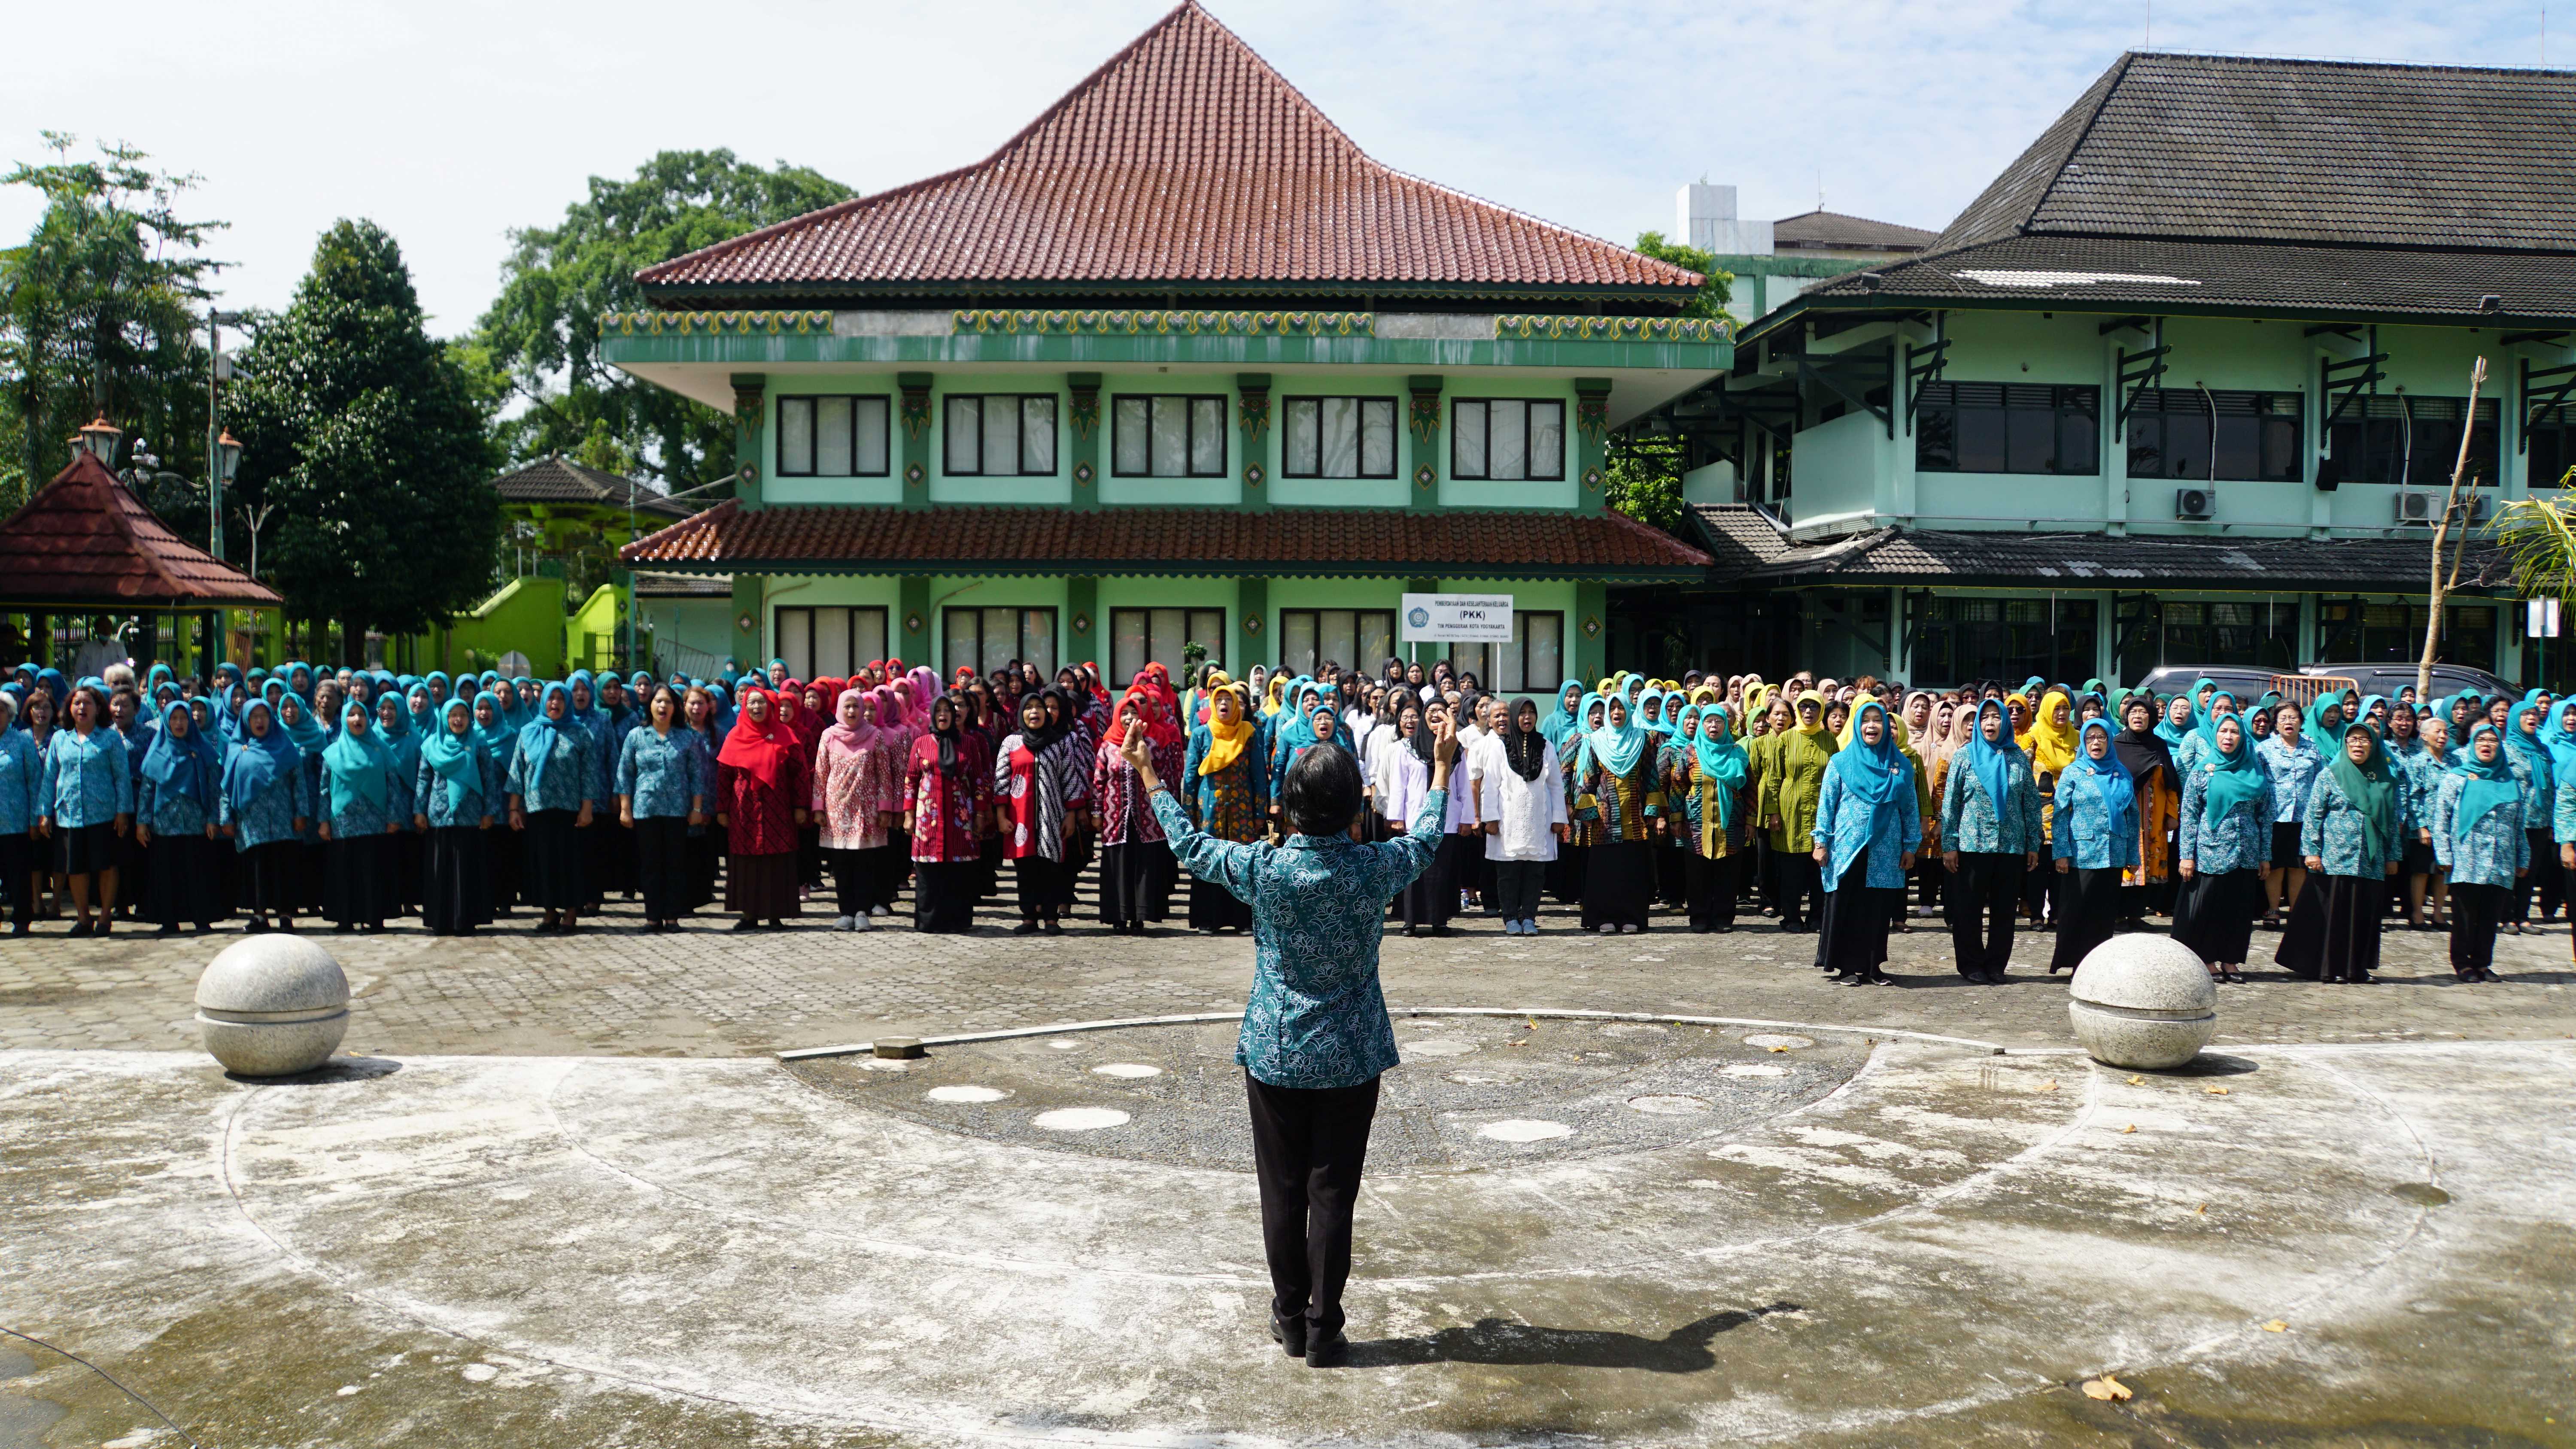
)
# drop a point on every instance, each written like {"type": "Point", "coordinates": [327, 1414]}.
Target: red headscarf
{"type": "Point", "coordinates": [761, 748]}
{"type": "Point", "coordinates": [1148, 705]}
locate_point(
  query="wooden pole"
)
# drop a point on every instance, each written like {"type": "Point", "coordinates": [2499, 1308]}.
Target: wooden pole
{"type": "Point", "coordinates": [2441, 586]}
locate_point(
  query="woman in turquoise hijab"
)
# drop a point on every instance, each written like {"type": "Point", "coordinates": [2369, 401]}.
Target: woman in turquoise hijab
{"type": "Point", "coordinates": [2478, 836]}
{"type": "Point", "coordinates": [359, 800]}
{"type": "Point", "coordinates": [394, 723]}
{"type": "Point", "coordinates": [2535, 773]}
{"type": "Point", "coordinates": [2354, 840]}
{"type": "Point", "coordinates": [1561, 722]}
{"type": "Point", "coordinates": [178, 793]}
{"type": "Point", "coordinates": [2221, 846]}
{"type": "Point", "coordinates": [498, 742]}
{"type": "Point", "coordinates": [1868, 822]}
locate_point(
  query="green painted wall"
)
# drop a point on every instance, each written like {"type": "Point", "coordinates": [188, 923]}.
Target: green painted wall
{"type": "Point", "coordinates": [525, 616]}
{"type": "Point", "coordinates": [591, 633]}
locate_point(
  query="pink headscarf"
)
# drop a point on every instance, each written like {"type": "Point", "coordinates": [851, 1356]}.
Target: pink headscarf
{"type": "Point", "coordinates": [925, 692]}
{"type": "Point", "coordinates": [889, 717]}
{"type": "Point", "coordinates": [864, 736]}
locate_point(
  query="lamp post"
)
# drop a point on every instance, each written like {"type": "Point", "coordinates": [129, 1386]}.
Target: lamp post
{"type": "Point", "coordinates": [223, 455]}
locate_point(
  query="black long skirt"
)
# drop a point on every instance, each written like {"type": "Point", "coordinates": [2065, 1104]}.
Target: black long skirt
{"type": "Point", "coordinates": [272, 879]}
{"type": "Point", "coordinates": [1213, 908]}
{"type": "Point", "coordinates": [943, 897]}
{"type": "Point", "coordinates": [896, 863]}
{"type": "Point", "coordinates": [2333, 934]}
{"type": "Point", "coordinates": [1618, 885]}
{"type": "Point", "coordinates": [1565, 874]}
{"type": "Point", "coordinates": [1135, 882]}
{"type": "Point", "coordinates": [1042, 883]}
{"type": "Point", "coordinates": [2215, 915]}
{"type": "Point", "coordinates": [358, 875]}
{"type": "Point", "coordinates": [1672, 875]}
{"type": "Point", "coordinates": [1853, 939]}
{"type": "Point", "coordinates": [410, 853]}
{"type": "Point", "coordinates": [1431, 899]}
{"type": "Point", "coordinates": [312, 877]}
{"type": "Point", "coordinates": [762, 887]}
{"type": "Point", "coordinates": [455, 880]}
{"type": "Point", "coordinates": [703, 857]}
{"type": "Point", "coordinates": [2088, 912]}
{"type": "Point", "coordinates": [186, 884]}
{"type": "Point", "coordinates": [550, 862]}
{"type": "Point", "coordinates": [504, 852]}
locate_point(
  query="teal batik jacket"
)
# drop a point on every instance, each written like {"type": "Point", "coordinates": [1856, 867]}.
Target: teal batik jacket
{"type": "Point", "coordinates": [1972, 825]}
{"type": "Point", "coordinates": [2332, 831]}
{"type": "Point", "coordinates": [2240, 841]}
{"type": "Point", "coordinates": [2496, 848]}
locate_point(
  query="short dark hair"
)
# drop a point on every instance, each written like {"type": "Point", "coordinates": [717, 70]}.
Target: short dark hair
{"type": "Point", "coordinates": [1321, 795]}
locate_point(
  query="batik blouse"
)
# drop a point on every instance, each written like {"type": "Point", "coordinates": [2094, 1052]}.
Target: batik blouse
{"type": "Point", "coordinates": [87, 781]}
{"type": "Point", "coordinates": [1040, 792]}
{"type": "Point", "coordinates": [661, 773]}
{"type": "Point", "coordinates": [944, 808]}
{"type": "Point", "coordinates": [1233, 803]}
{"type": "Point", "coordinates": [2497, 846]}
{"type": "Point", "coordinates": [855, 787]}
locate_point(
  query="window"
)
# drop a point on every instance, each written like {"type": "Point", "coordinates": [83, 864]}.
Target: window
{"type": "Point", "coordinates": [2552, 449]}
{"type": "Point", "coordinates": [1993, 427]}
{"type": "Point", "coordinates": [1138, 637]}
{"type": "Point", "coordinates": [998, 435]}
{"type": "Point", "coordinates": [1167, 437]}
{"type": "Point", "coordinates": [1359, 638]}
{"type": "Point", "coordinates": [2183, 432]}
{"type": "Point", "coordinates": [830, 643]}
{"type": "Point", "coordinates": [2349, 631]}
{"type": "Point", "coordinates": [990, 638]}
{"type": "Point", "coordinates": [1507, 439]}
{"type": "Point", "coordinates": [832, 437]}
{"type": "Point", "coordinates": [1338, 437]}
{"type": "Point", "coordinates": [2252, 635]}
{"type": "Point", "coordinates": [1533, 661]}
{"type": "Point", "coordinates": [2403, 438]}
{"type": "Point", "coordinates": [1959, 639]}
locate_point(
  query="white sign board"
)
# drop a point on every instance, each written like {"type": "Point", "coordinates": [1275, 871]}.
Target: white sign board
{"type": "Point", "coordinates": [1457, 619]}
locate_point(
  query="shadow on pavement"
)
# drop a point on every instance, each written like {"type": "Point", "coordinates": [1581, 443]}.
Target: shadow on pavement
{"type": "Point", "coordinates": [1685, 1350]}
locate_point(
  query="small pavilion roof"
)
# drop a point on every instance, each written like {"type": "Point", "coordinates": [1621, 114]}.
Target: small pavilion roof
{"type": "Point", "coordinates": [86, 541]}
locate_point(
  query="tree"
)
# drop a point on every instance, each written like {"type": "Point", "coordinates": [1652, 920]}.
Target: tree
{"type": "Point", "coordinates": [97, 315]}
{"type": "Point", "coordinates": [366, 436]}
{"type": "Point", "coordinates": [540, 339]}
{"type": "Point", "coordinates": [1711, 301]}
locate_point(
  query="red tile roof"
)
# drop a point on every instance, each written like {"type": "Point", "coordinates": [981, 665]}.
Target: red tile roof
{"type": "Point", "coordinates": [1184, 158]}
{"type": "Point", "coordinates": [1287, 542]}
{"type": "Point", "coordinates": [86, 540]}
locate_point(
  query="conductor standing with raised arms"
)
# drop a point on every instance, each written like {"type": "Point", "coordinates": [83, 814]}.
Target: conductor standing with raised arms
{"type": "Point", "coordinates": [1315, 1032]}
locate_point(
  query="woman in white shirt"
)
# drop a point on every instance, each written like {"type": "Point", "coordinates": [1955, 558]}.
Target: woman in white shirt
{"type": "Point", "coordinates": [1520, 796]}
{"type": "Point", "coordinates": [1403, 779]}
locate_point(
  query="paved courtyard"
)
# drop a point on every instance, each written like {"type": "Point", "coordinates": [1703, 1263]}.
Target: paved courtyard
{"type": "Point", "coordinates": [559, 1193]}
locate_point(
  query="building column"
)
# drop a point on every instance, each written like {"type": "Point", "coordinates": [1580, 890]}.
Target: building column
{"type": "Point", "coordinates": [1252, 421]}
{"type": "Point", "coordinates": [1081, 621]}
{"type": "Point", "coordinates": [2106, 642]}
{"type": "Point", "coordinates": [912, 620]}
{"type": "Point", "coordinates": [916, 438]}
{"type": "Point", "coordinates": [1251, 643]}
{"type": "Point", "coordinates": [1083, 397]}
{"type": "Point", "coordinates": [750, 628]}
{"type": "Point", "coordinates": [1422, 491]}
{"type": "Point", "coordinates": [1591, 444]}
{"type": "Point", "coordinates": [211, 644]}
{"type": "Point", "coordinates": [40, 633]}
{"type": "Point", "coordinates": [1591, 630]}
{"type": "Point", "coordinates": [750, 411]}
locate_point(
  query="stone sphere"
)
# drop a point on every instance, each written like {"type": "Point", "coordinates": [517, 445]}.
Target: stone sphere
{"type": "Point", "coordinates": [2143, 1001]}
{"type": "Point", "coordinates": [272, 1005]}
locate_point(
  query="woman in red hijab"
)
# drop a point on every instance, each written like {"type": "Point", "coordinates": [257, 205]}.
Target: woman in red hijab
{"type": "Point", "coordinates": [763, 779]}
{"type": "Point", "coordinates": [817, 701]}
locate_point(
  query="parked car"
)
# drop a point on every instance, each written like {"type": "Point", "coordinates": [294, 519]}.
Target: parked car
{"type": "Point", "coordinates": [2246, 684]}
{"type": "Point", "coordinates": [2388, 679]}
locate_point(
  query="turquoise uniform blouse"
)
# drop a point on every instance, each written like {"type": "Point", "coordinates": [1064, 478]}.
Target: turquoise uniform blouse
{"type": "Point", "coordinates": [429, 795]}
{"type": "Point", "coordinates": [1971, 825]}
{"type": "Point", "coordinates": [2242, 840]}
{"type": "Point", "coordinates": [2084, 835]}
{"type": "Point", "coordinates": [572, 776]}
{"type": "Point", "coordinates": [86, 781]}
{"type": "Point", "coordinates": [1317, 1015]}
{"type": "Point", "coordinates": [662, 774]}
{"type": "Point", "coordinates": [1842, 820]}
{"type": "Point", "coordinates": [272, 813]}
{"type": "Point", "coordinates": [2497, 846]}
{"type": "Point", "coordinates": [2333, 831]}
{"type": "Point", "coordinates": [2294, 774]}
{"type": "Point", "coordinates": [22, 782]}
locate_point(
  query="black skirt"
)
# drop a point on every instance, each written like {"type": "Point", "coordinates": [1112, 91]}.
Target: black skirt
{"type": "Point", "coordinates": [2215, 916]}
{"type": "Point", "coordinates": [272, 878]}
{"type": "Point", "coordinates": [2333, 933]}
{"type": "Point", "coordinates": [1043, 883]}
{"type": "Point", "coordinates": [409, 854]}
{"type": "Point", "coordinates": [1854, 940]}
{"type": "Point", "coordinates": [1213, 907]}
{"type": "Point", "coordinates": [943, 899]}
{"type": "Point", "coordinates": [1618, 885]}
{"type": "Point", "coordinates": [762, 887]}
{"type": "Point", "coordinates": [703, 858]}
{"type": "Point", "coordinates": [456, 881]}
{"type": "Point", "coordinates": [1135, 881]}
{"type": "Point", "coordinates": [187, 881]}
{"type": "Point", "coordinates": [2088, 912]}
{"type": "Point", "coordinates": [1672, 879]}
{"type": "Point", "coordinates": [550, 862]}
{"type": "Point", "coordinates": [84, 849]}
{"type": "Point", "coordinates": [357, 879]}
{"type": "Point", "coordinates": [503, 851]}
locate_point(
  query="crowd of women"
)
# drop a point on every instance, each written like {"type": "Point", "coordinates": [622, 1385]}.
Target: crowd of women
{"type": "Point", "coordinates": [361, 797]}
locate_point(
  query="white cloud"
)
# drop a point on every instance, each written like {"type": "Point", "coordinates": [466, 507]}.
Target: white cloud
{"type": "Point", "coordinates": [450, 124]}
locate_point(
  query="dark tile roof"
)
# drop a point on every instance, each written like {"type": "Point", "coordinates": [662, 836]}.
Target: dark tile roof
{"type": "Point", "coordinates": [2256, 148]}
{"type": "Point", "coordinates": [1183, 158]}
{"type": "Point", "coordinates": [1289, 542]}
{"type": "Point", "coordinates": [554, 479]}
{"type": "Point", "coordinates": [683, 586]}
{"type": "Point", "coordinates": [2166, 276]}
{"type": "Point", "coordinates": [86, 539]}
{"type": "Point", "coordinates": [1831, 230]}
{"type": "Point", "coordinates": [1748, 549]}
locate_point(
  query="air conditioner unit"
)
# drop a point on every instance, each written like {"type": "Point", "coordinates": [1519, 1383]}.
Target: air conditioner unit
{"type": "Point", "coordinates": [2481, 506]}
{"type": "Point", "coordinates": [2195, 504]}
{"type": "Point", "coordinates": [2414, 505]}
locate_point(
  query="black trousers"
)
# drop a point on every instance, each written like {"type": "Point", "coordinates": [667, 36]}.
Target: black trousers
{"type": "Point", "coordinates": [18, 875]}
{"type": "Point", "coordinates": [662, 865]}
{"type": "Point", "coordinates": [1711, 890]}
{"type": "Point", "coordinates": [2476, 911]}
{"type": "Point", "coordinates": [187, 881]}
{"type": "Point", "coordinates": [273, 878]}
{"type": "Point", "coordinates": [1854, 939]}
{"type": "Point", "coordinates": [2545, 882]}
{"type": "Point", "coordinates": [1982, 894]}
{"type": "Point", "coordinates": [2088, 911]}
{"type": "Point", "coordinates": [1308, 1145]}
{"type": "Point", "coordinates": [1516, 887]}
{"type": "Point", "coordinates": [1798, 885]}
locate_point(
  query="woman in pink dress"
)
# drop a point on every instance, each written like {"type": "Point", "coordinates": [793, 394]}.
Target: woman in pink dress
{"type": "Point", "coordinates": [856, 795]}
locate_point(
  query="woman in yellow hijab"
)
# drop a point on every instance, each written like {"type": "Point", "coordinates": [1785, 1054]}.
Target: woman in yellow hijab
{"type": "Point", "coordinates": [2051, 741]}
{"type": "Point", "coordinates": [1225, 785]}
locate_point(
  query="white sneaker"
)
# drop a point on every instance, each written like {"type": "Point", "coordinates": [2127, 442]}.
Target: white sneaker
{"type": "Point", "coordinates": [879, 911]}
{"type": "Point", "coordinates": [842, 923]}
{"type": "Point", "coordinates": [1608, 929]}
{"type": "Point", "coordinates": [859, 923]}
{"type": "Point", "coordinates": [1632, 930]}
{"type": "Point", "coordinates": [1529, 927]}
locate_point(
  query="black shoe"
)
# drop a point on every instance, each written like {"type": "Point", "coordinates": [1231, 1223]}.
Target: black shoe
{"type": "Point", "coordinates": [1290, 1333]}
{"type": "Point", "coordinates": [79, 928]}
{"type": "Point", "coordinates": [168, 930]}
{"type": "Point", "coordinates": [1025, 928]}
{"type": "Point", "coordinates": [17, 928]}
{"type": "Point", "coordinates": [1330, 1351]}
{"type": "Point", "coordinates": [1850, 978]}
{"type": "Point", "coordinates": [2487, 975]}
{"type": "Point", "coordinates": [1052, 927]}
{"type": "Point", "coordinates": [746, 924]}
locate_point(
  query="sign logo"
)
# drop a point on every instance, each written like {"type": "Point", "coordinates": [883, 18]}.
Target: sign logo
{"type": "Point", "coordinates": [1418, 618]}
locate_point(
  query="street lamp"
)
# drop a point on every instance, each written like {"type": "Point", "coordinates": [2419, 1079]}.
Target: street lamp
{"type": "Point", "coordinates": [101, 438]}
{"type": "Point", "coordinates": [222, 453]}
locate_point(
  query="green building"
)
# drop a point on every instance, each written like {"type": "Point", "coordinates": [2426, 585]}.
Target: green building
{"type": "Point", "coordinates": [1178, 364]}
{"type": "Point", "coordinates": [2184, 386]}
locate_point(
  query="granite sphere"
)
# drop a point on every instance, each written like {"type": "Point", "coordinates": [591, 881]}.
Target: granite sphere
{"type": "Point", "coordinates": [2143, 1002]}
{"type": "Point", "coordinates": [272, 1005]}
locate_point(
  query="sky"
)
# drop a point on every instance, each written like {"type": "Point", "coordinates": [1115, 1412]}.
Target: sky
{"type": "Point", "coordinates": [452, 123]}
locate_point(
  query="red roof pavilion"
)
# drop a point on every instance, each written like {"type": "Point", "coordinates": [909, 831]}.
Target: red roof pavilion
{"type": "Point", "coordinates": [87, 542]}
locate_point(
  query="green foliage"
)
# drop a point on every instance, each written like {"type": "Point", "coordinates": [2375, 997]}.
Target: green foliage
{"type": "Point", "coordinates": [2539, 535]}
{"type": "Point", "coordinates": [1711, 301]}
{"type": "Point", "coordinates": [97, 316]}
{"type": "Point", "coordinates": [368, 438]}
{"type": "Point", "coordinates": [541, 336]}
{"type": "Point", "coordinates": [1644, 479]}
